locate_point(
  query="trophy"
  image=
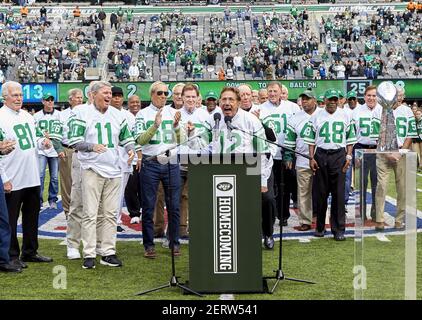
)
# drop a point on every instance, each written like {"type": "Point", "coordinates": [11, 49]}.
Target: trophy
{"type": "Point", "coordinates": [387, 97]}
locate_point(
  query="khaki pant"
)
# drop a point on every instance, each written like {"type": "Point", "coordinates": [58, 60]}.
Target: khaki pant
{"type": "Point", "coordinates": [74, 219]}
{"type": "Point", "coordinates": [384, 167]}
{"type": "Point", "coordinates": [304, 195]}
{"type": "Point", "coordinates": [65, 169]}
{"type": "Point", "coordinates": [159, 226]}
{"type": "Point", "coordinates": [96, 189]}
{"type": "Point", "coordinates": [123, 183]}
{"type": "Point", "coordinates": [417, 147]}
{"type": "Point", "coordinates": [184, 208]}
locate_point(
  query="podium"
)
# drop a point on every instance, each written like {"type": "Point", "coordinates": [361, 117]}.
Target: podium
{"type": "Point", "coordinates": [225, 254]}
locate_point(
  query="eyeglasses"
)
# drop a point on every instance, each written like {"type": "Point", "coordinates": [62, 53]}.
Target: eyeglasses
{"type": "Point", "coordinates": [160, 93]}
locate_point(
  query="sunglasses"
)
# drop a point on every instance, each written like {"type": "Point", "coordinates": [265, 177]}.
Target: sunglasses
{"type": "Point", "coordinates": [160, 93]}
{"type": "Point", "coordinates": [49, 99]}
{"type": "Point", "coordinates": [351, 99]}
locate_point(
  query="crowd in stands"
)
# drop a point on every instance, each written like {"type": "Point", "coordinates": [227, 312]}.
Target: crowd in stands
{"type": "Point", "coordinates": [47, 49]}
{"type": "Point", "coordinates": [233, 45]}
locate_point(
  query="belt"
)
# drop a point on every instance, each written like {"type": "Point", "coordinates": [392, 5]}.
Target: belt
{"type": "Point", "coordinates": [151, 158]}
{"type": "Point", "coordinates": [330, 151]}
{"type": "Point", "coordinates": [364, 146]}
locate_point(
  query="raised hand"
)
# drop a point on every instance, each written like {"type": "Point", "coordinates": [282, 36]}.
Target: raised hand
{"type": "Point", "coordinates": [158, 118]}
{"type": "Point", "coordinates": [177, 118]}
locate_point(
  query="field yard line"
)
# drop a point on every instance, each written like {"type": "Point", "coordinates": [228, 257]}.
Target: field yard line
{"type": "Point", "coordinates": [382, 238]}
{"type": "Point", "coordinates": [419, 190]}
{"type": "Point", "coordinates": [419, 174]}
{"type": "Point", "coordinates": [304, 240]}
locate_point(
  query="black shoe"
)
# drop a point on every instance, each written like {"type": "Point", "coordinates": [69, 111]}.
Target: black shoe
{"type": "Point", "coordinates": [36, 258]}
{"type": "Point", "coordinates": [319, 234]}
{"type": "Point", "coordinates": [269, 242]}
{"type": "Point", "coordinates": [120, 229]}
{"type": "Point", "coordinates": [8, 267]}
{"type": "Point", "coordinates": [111, 261]}
{"type": "Point", "coordinates": [89, 263]}
{"type": "Point", "coordinates": [19, 263]}
{"type": "Point", "coordinates": [284, 223]}
{"type": "Point", "coordinates": [339, 236]}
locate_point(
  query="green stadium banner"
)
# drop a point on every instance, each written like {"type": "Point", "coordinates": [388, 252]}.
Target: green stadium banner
{"type": "Point", "coordinates": [225, 253]}
{"type": "Point", "coordinates": [296, 87]}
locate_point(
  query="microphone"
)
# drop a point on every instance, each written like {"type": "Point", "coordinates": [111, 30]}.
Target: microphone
{"type": "Point", "coordinates": [216, 129]}
{"type": "Point", "coordinates": [228, 121]}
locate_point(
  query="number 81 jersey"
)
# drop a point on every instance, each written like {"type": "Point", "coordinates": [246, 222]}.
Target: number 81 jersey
{"type": "Point", "coordinates": [21, 165]}
{"type": "Point", "coordinates": [330, 131]}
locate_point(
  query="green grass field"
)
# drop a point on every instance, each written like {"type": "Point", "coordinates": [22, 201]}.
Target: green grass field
{"type": "Point", "coordinates": [324, 261]}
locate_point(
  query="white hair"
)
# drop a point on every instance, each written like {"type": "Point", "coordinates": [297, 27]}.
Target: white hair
{"type": "Point", "coordinates": [9, 84]}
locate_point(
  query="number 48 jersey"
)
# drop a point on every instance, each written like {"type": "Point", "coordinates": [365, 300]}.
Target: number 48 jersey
{"type": "Point", "coordinates": [330, 131]}
{"type": "Point", "coordinates": [88, 124]}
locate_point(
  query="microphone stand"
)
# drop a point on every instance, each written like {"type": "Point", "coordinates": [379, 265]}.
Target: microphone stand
{"type": "Point", "coordinates": [173, 282]}
{"type": "Point", "coordinates": [279, 274]}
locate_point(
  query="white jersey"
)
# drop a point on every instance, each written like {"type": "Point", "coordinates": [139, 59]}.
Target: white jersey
{"type": "Point", "coordinates": [124, 157]}
{"type": "Point", "coordinates": [201, 119]}
{"type": "Point", "coordinates": [346, 106]}
{"type": "Point", "coordinates": [131, 122]}
{"type": "Point", "coordinates": [236, 141]}
{"type": "Point", "coordinates": [348, 112]}
{"type": "Point", "coordinates": [276, 117]}
{"type": "Point", "coordinates": [164, 137]}
{"type": "Point", "coordinates": [87, 124]}
{"type": "Point", "coordinates": [405, 124]}
{"type": "Point", "coordinates": [64, 119]}
{"type": "Point", "coordinates": [362, 117]}
{"type": "Point", "coordinates": [296, 127]}
{"type": "Point", "coordinates": [20, 167]}
{"type": "Point", "coordinates": [216, 110]}
{"type": "Point", "coordinates": [50, 123]}
{"type": "Point", "coordinates": [330, 131]}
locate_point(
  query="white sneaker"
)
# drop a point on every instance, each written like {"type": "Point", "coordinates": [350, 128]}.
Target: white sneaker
{"type": "Point", "coordinates": [165, 243]}
{"type": "Point", "coordinates": [73, 253]}
{"type": "Point", "coordinates": [135, 220]}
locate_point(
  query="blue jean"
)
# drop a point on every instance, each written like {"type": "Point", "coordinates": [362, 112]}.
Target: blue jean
{"type": "Point", "coordinates": [348, 184]}
{"type": "Point", "coordinates": [53, 167]}
{"type": "Point", "coordinates": [4, 228]}
{"type": "Point", "coordinates": [152, 173]}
